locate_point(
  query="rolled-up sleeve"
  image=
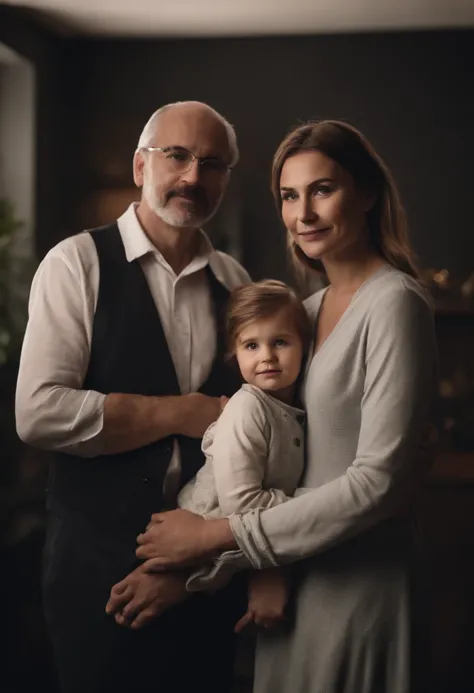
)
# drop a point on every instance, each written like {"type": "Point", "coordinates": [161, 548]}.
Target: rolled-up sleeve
{"type": "Point", "coordinates": [401, 367]}
{"type": "Point", "coordinates": [53, 412]}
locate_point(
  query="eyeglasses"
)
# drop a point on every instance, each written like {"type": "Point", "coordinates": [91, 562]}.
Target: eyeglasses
{"type": "Point", "coordinates": [180, 160]}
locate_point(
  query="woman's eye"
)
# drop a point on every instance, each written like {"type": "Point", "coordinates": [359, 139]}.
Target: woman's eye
{"type": "Point", "coordinates": [288, 197]}
{"type": "Point", "coordinates": [323, 190]}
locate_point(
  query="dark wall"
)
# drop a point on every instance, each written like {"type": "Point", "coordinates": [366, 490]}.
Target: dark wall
{"type": "Point", "coordinates": [45, 51]}
{"type": "Point", "coordinates": [408, 92]}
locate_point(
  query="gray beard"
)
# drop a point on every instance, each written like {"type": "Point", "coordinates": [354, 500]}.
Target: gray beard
{"type": "Point", "coordinates": [173, 217]}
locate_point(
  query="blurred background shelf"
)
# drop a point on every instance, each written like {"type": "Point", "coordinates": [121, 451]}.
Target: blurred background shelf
{"type": "Point", "coordinates": [453, 467]}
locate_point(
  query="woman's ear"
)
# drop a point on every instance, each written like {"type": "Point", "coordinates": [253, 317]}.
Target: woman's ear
{"type": "Point", "coordinates": [370, 200]}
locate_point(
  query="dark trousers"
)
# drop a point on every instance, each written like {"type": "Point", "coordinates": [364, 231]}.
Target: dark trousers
{"type": "Point", "coordinates": [190, 647]}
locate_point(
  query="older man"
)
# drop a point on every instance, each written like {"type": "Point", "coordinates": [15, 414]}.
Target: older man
{"type": "Point", "coordinates": [121, 372]}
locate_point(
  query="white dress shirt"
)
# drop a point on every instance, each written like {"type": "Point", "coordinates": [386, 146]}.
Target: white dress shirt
{"type": "Point", "coordinates": [53, 412]}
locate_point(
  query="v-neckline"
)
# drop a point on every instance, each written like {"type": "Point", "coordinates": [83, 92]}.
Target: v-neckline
{"type": "Point", "coordinates": [377, 273]}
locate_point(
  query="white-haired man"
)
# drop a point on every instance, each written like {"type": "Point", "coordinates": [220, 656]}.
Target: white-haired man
{"type": "Point", "coordinates": [122, 370]}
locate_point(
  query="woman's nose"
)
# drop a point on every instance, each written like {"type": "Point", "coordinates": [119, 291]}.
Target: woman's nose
{"type": "Point", "coordinates": [307, 211]}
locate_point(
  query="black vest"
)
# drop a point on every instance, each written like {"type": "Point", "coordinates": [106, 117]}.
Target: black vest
{"type": "Point", "coordinates": [129, 354]}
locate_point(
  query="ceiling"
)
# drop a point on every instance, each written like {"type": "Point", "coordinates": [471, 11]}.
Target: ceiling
{"type": "Point", "coordinates": [248, 17]}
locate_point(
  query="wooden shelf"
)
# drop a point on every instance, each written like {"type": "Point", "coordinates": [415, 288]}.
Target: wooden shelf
{"type": "Point", "coordinates": [452, 467]}
{"type": "Point", "coordinates": [454, 309]}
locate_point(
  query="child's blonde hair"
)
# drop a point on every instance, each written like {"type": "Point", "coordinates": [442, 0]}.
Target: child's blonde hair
{"type": "Point", "coordinates": [263, 299]}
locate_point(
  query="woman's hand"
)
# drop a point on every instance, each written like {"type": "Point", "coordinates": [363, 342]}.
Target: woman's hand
{"type": "Point", "coordinates": [180, 538]}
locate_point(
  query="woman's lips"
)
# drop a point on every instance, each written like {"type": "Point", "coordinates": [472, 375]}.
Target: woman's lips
{"type": "Point", "coordinates": [314, 233]}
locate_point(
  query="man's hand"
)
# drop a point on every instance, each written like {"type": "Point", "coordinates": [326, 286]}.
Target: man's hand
{"type": "Point", "coordinates": [268, 595]}
{"type": "Point", "coordinates": [199, 412]}
{"type": "Point", "coordinates": [141, 597]}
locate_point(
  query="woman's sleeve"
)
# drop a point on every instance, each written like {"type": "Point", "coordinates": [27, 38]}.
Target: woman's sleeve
{"type": "Point", "coordinates": [400, 381]}
{"type": "Point", "coordinates": [239, 457]}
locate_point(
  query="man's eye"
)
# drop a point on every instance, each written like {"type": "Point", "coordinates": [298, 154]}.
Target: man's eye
{"type": "Point", "coordinates": [213, 164]}
{"type": "Point", "coordinates": [177, 156]}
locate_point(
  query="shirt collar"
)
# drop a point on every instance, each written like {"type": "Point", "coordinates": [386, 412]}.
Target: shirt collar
{"type": "Point", "coordinates": [137, 244]}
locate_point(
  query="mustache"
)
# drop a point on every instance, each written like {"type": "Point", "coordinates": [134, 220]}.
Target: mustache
{"type": "Point", "coordinates": [194, 193]}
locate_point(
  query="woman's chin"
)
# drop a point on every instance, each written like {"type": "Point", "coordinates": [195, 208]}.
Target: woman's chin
{"type": "Point", "coordinates": [314, 251]}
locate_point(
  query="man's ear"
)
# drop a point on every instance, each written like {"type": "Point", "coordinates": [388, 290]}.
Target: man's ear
{"type": "Point", "coordinates": [138, 168]}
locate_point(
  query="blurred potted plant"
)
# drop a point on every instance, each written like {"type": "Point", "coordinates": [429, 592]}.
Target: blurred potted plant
{"type": "Point", "coordinates": [11, 335]}
{"type": "Point", "coordinates": [9, 225]}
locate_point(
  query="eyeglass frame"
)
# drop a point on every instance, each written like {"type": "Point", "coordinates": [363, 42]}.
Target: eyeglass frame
{"type": "Point", "coordinates": [200, 159]}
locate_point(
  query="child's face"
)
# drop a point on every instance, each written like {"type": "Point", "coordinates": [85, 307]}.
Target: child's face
{"type": "Point", "coordinates": [269, 353]}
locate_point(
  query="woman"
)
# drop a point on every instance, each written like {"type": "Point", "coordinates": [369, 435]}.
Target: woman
{"type": "Point", "coordinates": [367, 391]}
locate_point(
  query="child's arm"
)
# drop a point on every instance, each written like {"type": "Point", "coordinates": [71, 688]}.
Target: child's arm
{"type": "Point", "coordinates": [239, 453]}
{"type": "Point", "coordinates": [268, 596]}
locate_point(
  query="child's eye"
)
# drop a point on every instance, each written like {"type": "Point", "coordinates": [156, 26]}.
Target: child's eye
{"type": "Point", "coordinates": [251, 346]}
{"type": "Point", "coordinates": [280, 342]}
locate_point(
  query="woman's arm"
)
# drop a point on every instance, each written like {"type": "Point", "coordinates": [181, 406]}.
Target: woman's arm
{"type": "Point", "coordinates": [239, 454]}
{"type": "Point", "coordinates": [401, 369]}
{"type": "Point", "coordinates": [399, 386]}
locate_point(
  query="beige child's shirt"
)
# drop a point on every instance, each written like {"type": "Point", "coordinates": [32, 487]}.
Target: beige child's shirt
{"type": "Point", "coordinates": [254, 459]}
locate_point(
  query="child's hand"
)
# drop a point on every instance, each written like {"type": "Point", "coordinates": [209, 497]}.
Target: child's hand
{"type": "Point", "coordinates": [268, 595]}
{"type": "Point", "coordinates": [141, 596]}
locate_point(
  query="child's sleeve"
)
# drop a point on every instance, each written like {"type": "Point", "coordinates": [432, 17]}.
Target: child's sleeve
{"type": "Point", "coordinates": [239, 457]}
{"type": "Point", "coordinates": [238, 454]}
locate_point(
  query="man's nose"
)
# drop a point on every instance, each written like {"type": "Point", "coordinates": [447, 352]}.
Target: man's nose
{"type": "Point", "coordinates": [193, 175]}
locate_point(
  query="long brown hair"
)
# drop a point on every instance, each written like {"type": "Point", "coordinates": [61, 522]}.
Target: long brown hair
{"type": "Point", "coordinates": [387, 224]}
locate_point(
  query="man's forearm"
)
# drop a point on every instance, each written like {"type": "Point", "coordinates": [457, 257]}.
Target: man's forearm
{"type": "Point", "coordinates": [89, 423]}
{"type": "Point", "coordinates": [132, 421]}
